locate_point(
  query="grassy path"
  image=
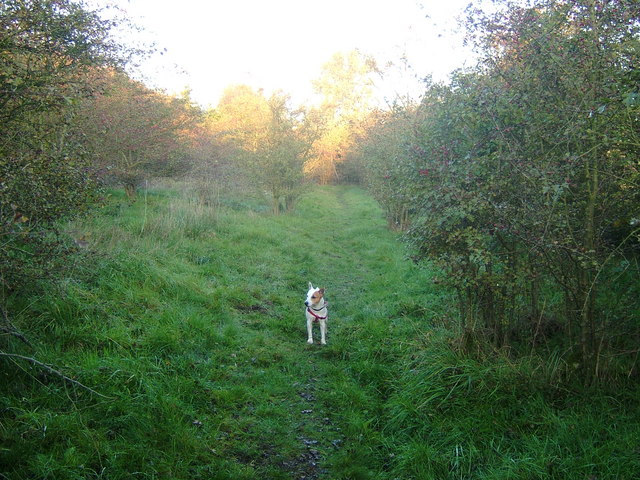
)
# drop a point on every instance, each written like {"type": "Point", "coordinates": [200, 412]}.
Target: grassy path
{"type": "Point", "coordinates": [322, 400]}
{"type": "Point", "coordinates": [189, 321]}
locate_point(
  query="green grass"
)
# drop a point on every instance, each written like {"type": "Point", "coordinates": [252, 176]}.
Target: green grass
{"type": "Point", "coordinates": [189, 323]}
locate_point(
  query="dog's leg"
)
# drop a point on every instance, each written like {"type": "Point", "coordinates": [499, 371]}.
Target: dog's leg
{"type": "Point", "coordinates": [323, 332]}
{"type": "Point", "coordinates": [310, 331]}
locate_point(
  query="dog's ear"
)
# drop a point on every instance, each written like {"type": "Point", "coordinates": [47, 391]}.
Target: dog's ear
{"type": "Point", "coordinates": [310, 286]}
{"type": "Point", "coordinates": [322, 291]}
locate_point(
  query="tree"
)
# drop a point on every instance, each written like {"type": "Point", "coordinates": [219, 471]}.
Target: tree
{"type": "Point", "coordinates": [279, 159]}
{"type": "Point", "coordinates": [272, 142]}
{"type": "Point", "coordinates": [243, 117]}
{"type": "Point", "coordinates": [134, 132]}
{"type": "Point", "coordinates": [382, 153]}
{"type": "Point", "coordinates": [566, 71]}
{"type": "Point", "coordinates": [523, 185]}
{"type": "Point", "coordinates": [345, 86]}
{"type": "Point", "coordinates": [47, 51]}
{"type": "Point", "coordinates": [213, 161]}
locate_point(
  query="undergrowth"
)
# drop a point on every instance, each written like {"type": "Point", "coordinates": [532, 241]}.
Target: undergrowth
{"type": "Point", "coordinates": [186, 324]}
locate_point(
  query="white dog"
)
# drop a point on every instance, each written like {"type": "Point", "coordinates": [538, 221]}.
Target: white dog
{"type": "Point", "coordinates": [316, 312]}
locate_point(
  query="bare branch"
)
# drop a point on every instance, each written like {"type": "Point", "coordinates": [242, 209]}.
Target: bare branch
{"type": "Point", "coordinates": [10, 329]}
{"type": "Point", "coordinates": [52, 370]}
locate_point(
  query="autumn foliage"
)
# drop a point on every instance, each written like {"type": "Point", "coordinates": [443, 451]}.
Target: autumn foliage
{"type": "Point", "coordinates": [345, 88]}
{"type": "Point", "coordinates": [133, 132]}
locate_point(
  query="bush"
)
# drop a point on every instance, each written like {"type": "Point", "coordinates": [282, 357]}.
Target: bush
{"type": "Point", "coordinates": [48, 51]}
{"type": "Point", "coordinates": [519, 174]}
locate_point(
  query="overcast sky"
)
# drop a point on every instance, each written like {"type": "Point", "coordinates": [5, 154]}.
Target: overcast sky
{"type": "Point", "coordinates": [282, 44]}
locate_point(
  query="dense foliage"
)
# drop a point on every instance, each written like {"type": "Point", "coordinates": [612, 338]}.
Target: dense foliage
{"type": "Point", "coordinates": [47, 51]}
{"type": "Point", "coordinates": [522, 178]}
{"type": "Point", "coordinates": [271, 142]}
{"type": "Point", "coordinates": [345, 87]}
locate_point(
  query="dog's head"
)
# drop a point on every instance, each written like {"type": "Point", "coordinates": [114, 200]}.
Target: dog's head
{"type": "Point", "coordinates": [314, 295]}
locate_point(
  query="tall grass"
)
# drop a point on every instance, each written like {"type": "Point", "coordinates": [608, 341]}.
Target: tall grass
{"type": "Point", "coordinates": [187, 322]}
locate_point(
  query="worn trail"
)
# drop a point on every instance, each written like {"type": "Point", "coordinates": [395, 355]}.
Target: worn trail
{"type": "Point", "coordinates": [348, 251]}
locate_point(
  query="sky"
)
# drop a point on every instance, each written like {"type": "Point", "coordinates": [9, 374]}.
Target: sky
{"type": "Point", "coordinates": [208, 45]}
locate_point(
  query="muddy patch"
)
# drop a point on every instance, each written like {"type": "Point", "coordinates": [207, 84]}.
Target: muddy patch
{"type": "Point", "coordinates": [309, 464]}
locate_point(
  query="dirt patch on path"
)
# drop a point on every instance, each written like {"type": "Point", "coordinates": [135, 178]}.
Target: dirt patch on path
{"type": "Point", "coordinates": [317, 434]}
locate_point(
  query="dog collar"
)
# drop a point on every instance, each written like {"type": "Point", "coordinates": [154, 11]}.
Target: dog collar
{"type": "Point", "coordinates": [319, 309]}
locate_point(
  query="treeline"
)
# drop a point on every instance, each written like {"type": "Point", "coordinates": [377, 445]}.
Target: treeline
{"type": "Point", "coordinates": [73, 120]}
{"type": "Point", "coordinates": [520, 179]}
